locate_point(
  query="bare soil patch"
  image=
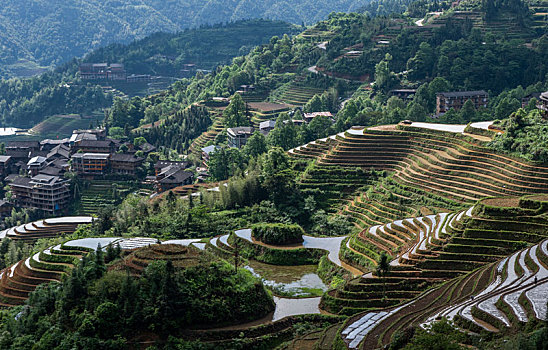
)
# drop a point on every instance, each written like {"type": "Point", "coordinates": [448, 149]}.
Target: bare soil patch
{"type": "Point", "coordinates": [506, 202]}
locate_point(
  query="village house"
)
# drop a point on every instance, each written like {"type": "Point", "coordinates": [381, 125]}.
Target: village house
{"type": "Point", "coordinates": [162, 164]}
{"type": "Point", "coordinates": [455, 100]}
{"type": "Point", "coordinates": [237, 137]}
{"type": "Point", "coordinates": [48, 193]}
{"type": "Point", "coordinates": [173, 176]}
{"type": "Point", "coordinates": [207, 152]}
{"type": "Point", "coordinates": [5, 209]}
{"type": "Point", "coordinates": [90, 163]}
{"type": "Point", "coordinates": [125, 163]}
{"type": "Point", "coordinates": [404, 94]}
{"type": "Point", "coordinates": [308, 117]}
{"type": "Point", "coordinates": [94, 146]}
{"type": "Point", "coordinates": [5, 165]}
{"type": "Point", "coordinates": [267, 126]}
{"type": "Point", "coordinates": [35, 164]}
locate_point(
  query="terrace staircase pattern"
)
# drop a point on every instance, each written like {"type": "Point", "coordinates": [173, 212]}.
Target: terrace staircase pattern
{"type": "Point", "coordinates": [466, 252]}
{"type": "Point", "coordinates": [441, 170]}
{"type": "Point", "coordinates": [216, 128]}
{"type": "Point", "coordinates": [47, 228]}
{"type": "Point", "coordinates": [22, 278]}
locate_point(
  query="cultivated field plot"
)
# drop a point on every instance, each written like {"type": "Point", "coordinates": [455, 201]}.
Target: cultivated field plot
{"type": "Point", "coordinates": [61, 126]}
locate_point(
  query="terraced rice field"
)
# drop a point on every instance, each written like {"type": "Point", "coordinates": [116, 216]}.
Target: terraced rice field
{"type": "Point", "coordinates": [47, 228]}
{"type": "Point", "coordinates": [100, 194]}
{"type": "Point", "coordinates": [216, 128]}
{"type": "Point", "coordinates": [466, 254]}
{"type": "Point", "coordinates": [437, 169]}
{"type": "Point", "coordinates": [19, 280]}
{"type": "Point", "coordinates": [295, 94]}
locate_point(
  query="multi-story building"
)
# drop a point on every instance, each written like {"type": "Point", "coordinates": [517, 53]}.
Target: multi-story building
{"type": "Point", "coordinates": [237, 137]}
{"type": "Point", "coordinates": [90, 163]}
{"type": "Point", "coordinates": [48, 193]}
{"type": "Point", "coordinates": [102, 71]}
{"type": "Point", "coordinates": [455, 100]}
{"type": "Point", "coordinates": [125, 163]}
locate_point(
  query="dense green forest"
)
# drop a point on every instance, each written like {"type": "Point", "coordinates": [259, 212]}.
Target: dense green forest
{"type": "Point", "coordinates": [50, 32]}
{"type": "Point", "coordinates": [166, 53]}
{"type": "Point", "coordinates": [24, 102]}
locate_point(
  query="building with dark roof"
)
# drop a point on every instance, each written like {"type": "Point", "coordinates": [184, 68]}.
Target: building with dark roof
{"type": "Point", "coordinates": [35, 164]}
{"type": "Point", "coordinates": [162, 164]}
{"type": "Point", "coordinates": [237, 137]}
{"type": "Point", "coordinates": [171, 177]}
{"type": "Point", "coordinates": [44, 192]}
{"type": "Point", "coordinates": [5, 165]}
{"type": "Point", "coordinates": [23, 145]}
{"type": "Point", "coordinates": [94, 146]}
{"type": "Point", "coordinates": [59, 151]}
{"type": "Point", "coordinates": [125, 163]}
{"type": "Point", "coordinates": [5, 209]}
{"type": "Point", "coordinates": [455, 100]}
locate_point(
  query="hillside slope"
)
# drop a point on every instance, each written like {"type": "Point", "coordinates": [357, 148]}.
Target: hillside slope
{"type": "Point", "coordinates": [52, 31]}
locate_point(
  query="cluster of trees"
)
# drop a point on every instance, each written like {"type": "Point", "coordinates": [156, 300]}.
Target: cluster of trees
{"type": "Point", "coordinates": [178, 132]}
{"type": "Point", "coordinates": [525, 134]}
{"type": "Point", "coordinates": [25, 102]}
{"type": "Point", "coordinates": [226, 162]}
{"type": "Point", "coordinates": [278, 234]}
{"type": "Point", "coordinates": [96, 309]}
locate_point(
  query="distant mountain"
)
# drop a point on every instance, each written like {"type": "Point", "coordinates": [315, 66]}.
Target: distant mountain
{"type": "Point", "coordinates": [48, 32]}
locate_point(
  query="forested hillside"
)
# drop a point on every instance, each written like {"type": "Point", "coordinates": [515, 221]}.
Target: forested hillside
{"type": "Point", "coordinates": [50, 32]}
{"type": "Point", "coordinates": [25, 102]}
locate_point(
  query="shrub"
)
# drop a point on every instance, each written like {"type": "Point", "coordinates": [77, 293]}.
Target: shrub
{"type": "Point", "coordinates": [278, 233]}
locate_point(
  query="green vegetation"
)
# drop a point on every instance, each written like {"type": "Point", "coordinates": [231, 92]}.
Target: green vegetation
{"type": "Point", "coordinates": [524, 135]}
{"type": "Point", "coordinates": [96, 24]}
{"type": "Point", "coordinates": [94, 308]}
{"type": "Point", "coordinates": [278, 234]}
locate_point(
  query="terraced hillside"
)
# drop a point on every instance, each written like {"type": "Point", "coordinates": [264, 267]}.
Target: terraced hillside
{"type": "Point", "coordinates": [295, 93]}
{"type": "Point", "coordinates": [20, 279]}
{"type": "Point", "coordinates": [428, 170]}
{"type": "Point", "coordinates": [216, 128]}
{"type": "Point", "coordinates": [497, 294]}
{"type": "Point", "coordinates": [100, 194]}
{"type": "Point", "coordinates": [47, 228]}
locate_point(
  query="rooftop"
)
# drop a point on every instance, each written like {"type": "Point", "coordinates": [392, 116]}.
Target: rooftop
{"type": "Point", "coordinates": [37, 160]}
{"type": "Point", "coordinates": [126, 157]}
{"type": "Point", "coordinates": [91, 155]}
{"type": "Point", "coordinates": [210, 149]}
{"type": "Point", "coordinates": [240, 130]}
{"type": "Point", "coordinates": [267, 124]}
{"type": "Point", "coordinates": [463, 93]}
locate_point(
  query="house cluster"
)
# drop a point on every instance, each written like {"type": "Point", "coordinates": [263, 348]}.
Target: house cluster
{"type": "Point", "coordinates": [35, 171]}
{"type": "Point", "coordinates": [109, 72]}
{"type": "Point", "coordinates": [268, 125]}
{"type": "Point", "coordinates": [102, 71]}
